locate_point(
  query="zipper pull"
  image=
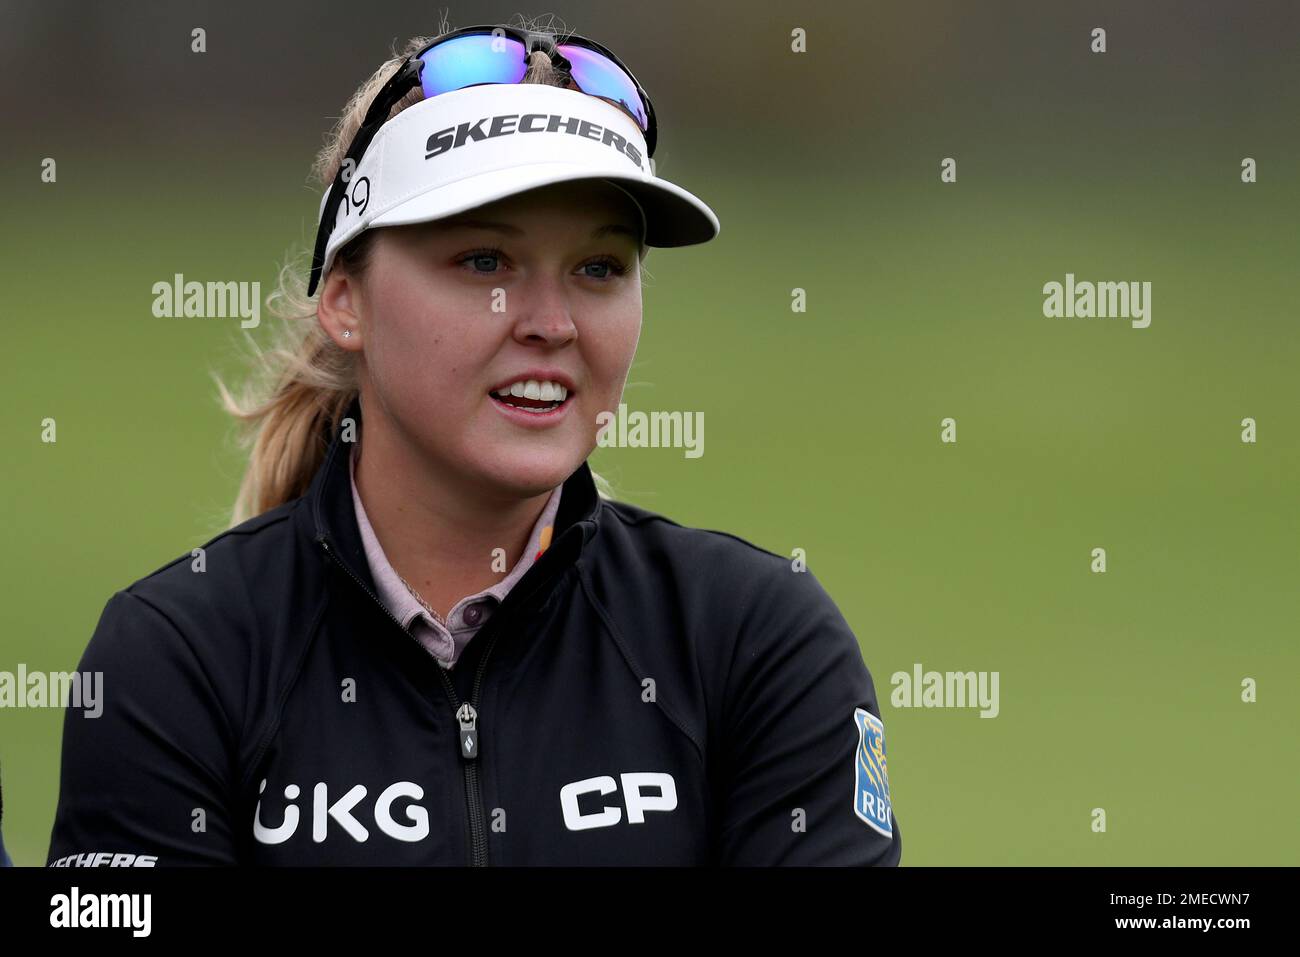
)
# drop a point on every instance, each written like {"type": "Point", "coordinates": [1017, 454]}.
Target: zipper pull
{"type": "Point", "coordinates": [468, 719]}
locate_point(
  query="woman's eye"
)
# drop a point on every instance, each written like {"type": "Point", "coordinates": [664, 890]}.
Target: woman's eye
{"type": "Point", "coordinates": [484, 261]}
{"type": "Point", "coordinates": [605, 268]}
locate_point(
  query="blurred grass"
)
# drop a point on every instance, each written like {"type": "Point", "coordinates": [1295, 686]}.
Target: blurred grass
{"type": "Point", "coordinates": [821, 432]}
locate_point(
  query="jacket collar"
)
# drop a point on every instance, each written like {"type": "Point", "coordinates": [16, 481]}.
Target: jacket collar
{"type": "Point", "coordinates": [333, 519]}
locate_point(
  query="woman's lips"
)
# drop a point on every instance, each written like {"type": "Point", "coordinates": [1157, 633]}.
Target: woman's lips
{"type": "Point", "coordinates": [529, 419]}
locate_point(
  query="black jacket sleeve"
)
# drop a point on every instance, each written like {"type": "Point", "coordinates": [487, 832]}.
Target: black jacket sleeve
{"type": "Point", "coordinates": [805, 777]}
{"type": "Point", "coordinates": [147, 781]}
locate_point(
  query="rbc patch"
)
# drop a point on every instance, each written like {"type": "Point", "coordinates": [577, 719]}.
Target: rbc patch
{"type": "Point", "coordinates": [871, 781]}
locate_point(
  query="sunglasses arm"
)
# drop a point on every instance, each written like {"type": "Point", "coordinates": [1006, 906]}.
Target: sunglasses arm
{"type": "Point", "coordinates": [398, 85]}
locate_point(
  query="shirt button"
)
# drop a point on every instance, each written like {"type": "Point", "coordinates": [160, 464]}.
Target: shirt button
{"type": "Point", "coordinates": [473, 614]}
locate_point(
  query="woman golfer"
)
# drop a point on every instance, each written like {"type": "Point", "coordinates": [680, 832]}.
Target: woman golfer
{"type": "Point", "coordinates": [431, 640]}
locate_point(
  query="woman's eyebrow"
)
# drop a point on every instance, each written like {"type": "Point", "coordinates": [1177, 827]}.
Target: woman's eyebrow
{"type": "Point", "coordinates": [485, 224]}
{"type": "Point", "coordinates": [617, 229]}
{"type": "Point", "coordinates": [513, 230]}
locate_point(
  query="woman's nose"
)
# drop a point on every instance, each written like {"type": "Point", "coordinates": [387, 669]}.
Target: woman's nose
{"type": "Point", "coordinates": [544, 312]}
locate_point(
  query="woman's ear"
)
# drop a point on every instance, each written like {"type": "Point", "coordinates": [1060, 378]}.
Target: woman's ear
{"type": "Point", "coordinates": [338, 310]}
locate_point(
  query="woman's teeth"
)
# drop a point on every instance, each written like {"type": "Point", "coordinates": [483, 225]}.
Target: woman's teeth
{"type": "Point", "coordinates": [532, 389]}
{"type": "Point", "coordinates": [533, 396]}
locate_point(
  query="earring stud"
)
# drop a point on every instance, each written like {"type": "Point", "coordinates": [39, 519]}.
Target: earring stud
{"type": "Point", "coordinates": [347, 333]}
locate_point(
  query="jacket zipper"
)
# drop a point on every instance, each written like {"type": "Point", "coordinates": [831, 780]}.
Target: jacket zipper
{"type": "Point", "coordinates": [466, 718]}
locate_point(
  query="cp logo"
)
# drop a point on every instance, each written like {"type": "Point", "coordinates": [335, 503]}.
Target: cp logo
{"type": "Point", "coordinates": [662, 797]}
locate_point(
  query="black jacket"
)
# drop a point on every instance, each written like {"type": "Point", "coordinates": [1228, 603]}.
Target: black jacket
{"type": "Point", "coordinates": [646, 694]}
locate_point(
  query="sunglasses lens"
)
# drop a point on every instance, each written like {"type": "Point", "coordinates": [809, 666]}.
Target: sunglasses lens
{"type": "Point", "coordinates": [470, 60]}
{"type": "Point", "coordinates": [598, 75]}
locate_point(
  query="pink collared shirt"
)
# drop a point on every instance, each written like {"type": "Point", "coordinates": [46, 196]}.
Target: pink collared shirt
{"type": "Point", "coordinates": [445, 640]}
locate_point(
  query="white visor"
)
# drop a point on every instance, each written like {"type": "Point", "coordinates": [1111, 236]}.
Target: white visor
{"type": "Point", "coordinates": [462, 149]}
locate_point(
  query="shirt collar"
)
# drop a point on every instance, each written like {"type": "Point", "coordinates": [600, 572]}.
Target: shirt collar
{"type": "Point", "coordinates": [330, 515]}
{"type": "Point", "coordinates": [388, 584]}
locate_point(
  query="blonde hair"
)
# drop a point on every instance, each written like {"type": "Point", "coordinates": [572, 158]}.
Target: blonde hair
{"type": "Point", "coordinates": [303, 383]}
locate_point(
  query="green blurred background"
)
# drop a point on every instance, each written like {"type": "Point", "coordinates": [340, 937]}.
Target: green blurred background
{"type": "Point", "coordinates": [1119, 691]}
